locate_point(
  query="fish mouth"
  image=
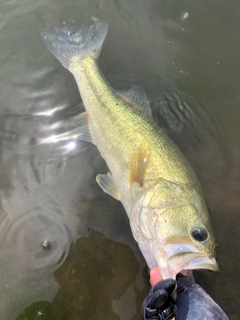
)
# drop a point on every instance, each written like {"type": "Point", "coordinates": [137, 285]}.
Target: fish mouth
{"type": "Point", "coordinates": [187, 257]}
{"type": "Point", "coordinates": [190, 261]}
{"type": "Point", "coordinates": [202, 263]}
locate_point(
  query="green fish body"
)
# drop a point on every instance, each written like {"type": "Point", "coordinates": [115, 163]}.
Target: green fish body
{"type": "Point", "coordinates": [148, 173]}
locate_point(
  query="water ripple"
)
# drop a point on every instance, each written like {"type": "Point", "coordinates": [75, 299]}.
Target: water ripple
{"type": "Point", "coordinates": [178, 112]}
{"type": "Point", "coordinates": [36, 229]}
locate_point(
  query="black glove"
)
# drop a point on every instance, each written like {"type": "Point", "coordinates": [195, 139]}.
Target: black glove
{"type": "Point", "coordinates": [159, 304]}
{"type": "Point", "coordinates": [192, 302]}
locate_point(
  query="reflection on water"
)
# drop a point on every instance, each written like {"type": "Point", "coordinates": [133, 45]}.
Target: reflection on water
{"type": "Point", "coordinates": [186, 56]}
{"type": "Point", "coordinates": [37, 225]}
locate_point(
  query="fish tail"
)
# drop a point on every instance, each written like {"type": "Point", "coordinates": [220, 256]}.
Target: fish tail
{"type": "Point", "coordinates": [66, 43]}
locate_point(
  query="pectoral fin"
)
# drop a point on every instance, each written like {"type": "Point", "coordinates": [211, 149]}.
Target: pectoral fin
{"type": "Point", "coordinates": [138, 164]}
{"type": "Point", "coordinates": [106, 182]}
{"type": "Point", "coordinates": [80, 125]}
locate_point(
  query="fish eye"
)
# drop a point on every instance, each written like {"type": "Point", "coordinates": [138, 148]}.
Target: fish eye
{"type": "Point", "coordinates": [199, 234]}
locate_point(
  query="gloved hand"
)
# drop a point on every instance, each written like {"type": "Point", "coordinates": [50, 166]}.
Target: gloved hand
{"type": "Point", "coordinates": [192, 302]}
{"type": "Point", "coordinates": [159, 304]}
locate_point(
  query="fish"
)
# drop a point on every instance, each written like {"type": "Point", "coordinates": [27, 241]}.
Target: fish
{"type": "Point", "coordinates": [148, 173]}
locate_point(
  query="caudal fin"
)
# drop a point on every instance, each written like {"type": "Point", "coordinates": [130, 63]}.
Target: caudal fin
{"type": "Point", "coordinates": [66, 43]}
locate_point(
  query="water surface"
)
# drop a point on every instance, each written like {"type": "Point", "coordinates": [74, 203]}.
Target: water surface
{"type": "Point", "coordinates": [66, 248]}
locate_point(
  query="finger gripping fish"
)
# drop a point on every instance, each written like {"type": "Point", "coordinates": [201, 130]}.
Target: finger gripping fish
{"type": "Point", "coordinates": [148, 173]}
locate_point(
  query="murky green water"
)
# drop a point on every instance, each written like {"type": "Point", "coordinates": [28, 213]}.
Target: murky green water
{"type": "Point", "coordinates": [186, 54]}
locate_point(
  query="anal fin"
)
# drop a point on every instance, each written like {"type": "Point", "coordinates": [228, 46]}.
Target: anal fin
{"type": "Point", "coordinates": [106, 182]}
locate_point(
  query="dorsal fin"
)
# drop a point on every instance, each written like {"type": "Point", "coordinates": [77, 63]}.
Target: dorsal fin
{"type": "Point", "coordinates": [138, 95]}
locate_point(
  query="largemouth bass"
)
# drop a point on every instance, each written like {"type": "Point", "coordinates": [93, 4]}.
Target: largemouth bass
{"type": "Point", "coordinates": [148, 173]}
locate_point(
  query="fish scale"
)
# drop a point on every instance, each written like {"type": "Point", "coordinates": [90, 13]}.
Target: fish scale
{"type": "Point", "coordinates": [135, 125]}
{"type": "Point", "coordinates": [148, 173]}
